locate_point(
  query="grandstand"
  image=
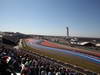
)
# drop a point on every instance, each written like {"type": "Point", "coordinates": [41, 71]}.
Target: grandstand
{"type": "Point", "coordinates": [22, 62]}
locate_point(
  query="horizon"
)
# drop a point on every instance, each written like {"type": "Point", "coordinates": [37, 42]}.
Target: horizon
{"type": "Point", "coordinates": [51, 17]}
{"type": "Point", "coordinates": [52, 35]}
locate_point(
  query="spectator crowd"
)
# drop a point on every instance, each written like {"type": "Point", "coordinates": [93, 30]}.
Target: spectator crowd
{"type": "Point", "coordinates": [20, 62]}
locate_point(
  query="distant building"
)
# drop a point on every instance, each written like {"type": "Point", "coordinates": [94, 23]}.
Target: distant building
{"type": "Point", "coordinates": [8, 33]}
{"type": "Point", "coordinates": [87, 44]}
{"type": "Point", "coordinates": [83, 41]}
{"type": "Point", "coordinates": [1, 38]}
{"type": "Point", "coordinates": [98, 45]}
{"type": "Point", "coordinates": [1, 35]}
{"type": "Point", "coordinates": [67, 28]}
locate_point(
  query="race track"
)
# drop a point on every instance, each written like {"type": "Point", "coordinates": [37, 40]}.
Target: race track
{"type": "Point", "coordinates": [35, 44]}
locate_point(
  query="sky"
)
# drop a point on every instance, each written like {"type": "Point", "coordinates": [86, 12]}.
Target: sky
{"type": "Point", "coordinates": [50, 17]}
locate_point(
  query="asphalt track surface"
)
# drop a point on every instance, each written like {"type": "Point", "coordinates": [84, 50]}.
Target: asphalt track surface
{"type": "Point", "coordinates": [35, 44]}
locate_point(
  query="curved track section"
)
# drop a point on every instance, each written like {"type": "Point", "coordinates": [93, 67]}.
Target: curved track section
{"type": "Point", "coordinates": [34, 43]}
